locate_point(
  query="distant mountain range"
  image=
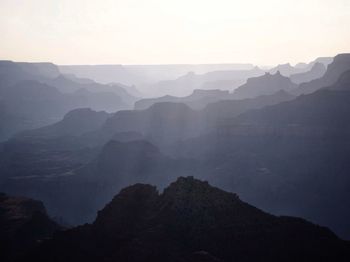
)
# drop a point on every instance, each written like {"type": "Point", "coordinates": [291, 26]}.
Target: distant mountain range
{"type": "Point", "coordinates": [281, 146]}
{"type": "Point", "coordinates": [185, 84]}
{"type": "Point", "coordinates": [264, 85]}
{"type": "Point", "coordinates": [181, 80]}
{"type": "Point", "coordinates": [144, 74]}
{"type": "Point", "coordinates": [36, 94]}
{"type": "Point", "coordinates": [288, 70]}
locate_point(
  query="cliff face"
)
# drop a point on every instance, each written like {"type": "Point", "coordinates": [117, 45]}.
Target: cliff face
{"type": "Point", "coordinates": [190, 221]}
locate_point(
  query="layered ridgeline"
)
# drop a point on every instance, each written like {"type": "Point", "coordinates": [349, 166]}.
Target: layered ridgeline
{"type": "Point", "coordinates": [340, 64]}
{"type": "Point", "coordinates": [49, 162]}
{"type": "Point", "coordinates": [283, 77]}
{"type": "Point", "coordinates": [289, 158]}
{"type": "Point", "coordinates": [259, 154]}
{"type": "Point", "coordinates": [36, 94]}
{"type": "Point", "coordinates": [264, 85]}
{"type": "Point", "coordinates": [316, 71]}
{"type": "Point", "coordinates": [23, 223]}
{"type": "Point", "coordinates": [301, 69]}
{"type": "Point", "coordinates": [190, 221]}
{"type": "Point", "coordinates": [166, 123]}
{"type": "Point", "coordinates": [223, 79]}
{"type": "Point", "coordinates": [157, 80]}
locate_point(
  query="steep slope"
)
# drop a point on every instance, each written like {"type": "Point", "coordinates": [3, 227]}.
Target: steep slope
{"type": "Point", "coordinates": [190, 219]}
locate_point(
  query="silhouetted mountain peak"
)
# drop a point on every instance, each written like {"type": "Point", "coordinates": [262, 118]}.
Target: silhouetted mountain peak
{"type": "Point", "coordinates": [191, 221]}
{"type": "Point", "coordinates": [23, 222]}
{"type": "Point", "coordinates": [124, 211]}
{"type": "Point", "coordinates": [185, 186]}
{"type": "Point", "coordinates": [20, 207]}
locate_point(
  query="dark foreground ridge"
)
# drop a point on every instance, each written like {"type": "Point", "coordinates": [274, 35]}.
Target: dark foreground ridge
{"type": "Point", "coordinates": [190, 221]}
{"type": "Point", "coordinates": [23, 223]}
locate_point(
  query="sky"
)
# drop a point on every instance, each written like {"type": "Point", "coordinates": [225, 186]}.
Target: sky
{"type": "Point", "coordinates": [264, 32]}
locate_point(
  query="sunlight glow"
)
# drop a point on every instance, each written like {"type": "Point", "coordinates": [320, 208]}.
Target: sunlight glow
{"type": "Point", "coordinates": [169, 31]}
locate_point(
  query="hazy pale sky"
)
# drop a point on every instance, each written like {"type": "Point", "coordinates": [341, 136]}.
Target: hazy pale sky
{"type": "Point", "coordinates": [173, 31]}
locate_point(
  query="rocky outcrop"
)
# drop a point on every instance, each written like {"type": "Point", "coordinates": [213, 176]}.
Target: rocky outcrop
{"type": "Point", "coordinates": [23, 222]}
{"type": "Point", "coordinates": [190, 221]}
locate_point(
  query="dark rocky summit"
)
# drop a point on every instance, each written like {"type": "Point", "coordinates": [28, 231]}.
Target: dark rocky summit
{"type": "Point", "coordinates": [23, 223]}
{"type": "Point", "coordinates": [190, 221]}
